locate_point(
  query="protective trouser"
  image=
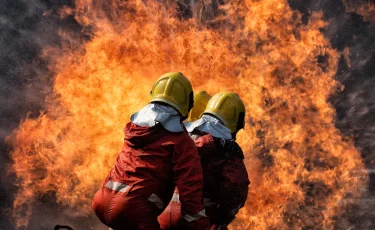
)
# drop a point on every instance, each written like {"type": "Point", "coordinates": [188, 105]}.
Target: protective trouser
{"type": "Point", "coordinates": [119, 211]}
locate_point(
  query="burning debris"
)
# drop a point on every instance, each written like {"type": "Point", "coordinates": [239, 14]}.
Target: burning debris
{"type": "Point", "coordinates": [304, 171]}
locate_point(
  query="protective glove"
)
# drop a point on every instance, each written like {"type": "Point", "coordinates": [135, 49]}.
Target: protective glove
{"type": "Point", "coordinates": [228, 148]}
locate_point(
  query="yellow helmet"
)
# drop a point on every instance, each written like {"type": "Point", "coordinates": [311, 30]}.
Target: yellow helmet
{"type": "Point", "coordinates": [175, 90]}
{"type": "Point", "coordinates": [201, 99]}
{"type": "Point", "coordinates": [228, 108]}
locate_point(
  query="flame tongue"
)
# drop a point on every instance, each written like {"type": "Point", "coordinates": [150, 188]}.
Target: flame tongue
{"type": "Point", "coordinates": [300, 166]}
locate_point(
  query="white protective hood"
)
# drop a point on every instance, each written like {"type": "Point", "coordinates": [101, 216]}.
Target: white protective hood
{"type": "Point", "coordinates": [154, 113]}
{"type": "Point", "coordinates": [209, 124]}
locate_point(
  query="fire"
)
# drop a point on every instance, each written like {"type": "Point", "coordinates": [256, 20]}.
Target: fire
{"type": "Point", "coordinates": [364, 8]}
{"type": "Point", "coordinates": [300, 166]}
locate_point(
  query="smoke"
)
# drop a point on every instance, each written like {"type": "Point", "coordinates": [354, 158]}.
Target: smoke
{"type": "Point", "coordinates": [25, 28]}
{"type": "Point", "coordinates": [355, 105]}
{"type": "Point", "coordinates": [351, 31]}
{"type": "Point", "coordinates": [17, 25]}
{"type": "Point", "coordinates": [28, 26]}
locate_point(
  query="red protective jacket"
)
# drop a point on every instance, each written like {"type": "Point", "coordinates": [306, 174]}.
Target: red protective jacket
{"type": "Point", "coordinates": [225, 186]}
{"type": "Point", "coordinates": [152, 162]}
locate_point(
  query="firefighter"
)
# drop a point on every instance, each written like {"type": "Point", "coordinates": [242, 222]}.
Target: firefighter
{"type": "Point", "coordinates": [225, 176]}
{"type": "Point", "coordinates": [171, 216]}
{"type": "Point", "coordinates": [201, 99]}
{"type": "Point", "coordinates": [157, 155]}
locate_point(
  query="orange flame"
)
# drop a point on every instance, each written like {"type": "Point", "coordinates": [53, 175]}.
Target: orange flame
{"type": "Point", "coordinates": [300, 166]}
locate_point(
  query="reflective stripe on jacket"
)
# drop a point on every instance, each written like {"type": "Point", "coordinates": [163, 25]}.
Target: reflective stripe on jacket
{"type": "Point", "coordinates": [152, 162]}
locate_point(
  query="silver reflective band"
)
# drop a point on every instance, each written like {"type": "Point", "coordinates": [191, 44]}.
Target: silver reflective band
{"type": "Point", "coordinates": [190, 218]}
{"type": "Point", "coordinates": [175, 197]}
{"type": "Point", "coordinates": [208, 203]}
{"type": "Point", "coordinates": [117, 186]}
{"type": "Point", "coordinates": [156, 200]}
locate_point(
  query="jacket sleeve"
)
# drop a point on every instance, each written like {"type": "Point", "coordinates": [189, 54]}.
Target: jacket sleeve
{"type": "Point", "coordinates": [205, 145]}
{"type": "Point", "coordinates": [235, 190]}
{"type": "Point", "coordinates": [189, 180]}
